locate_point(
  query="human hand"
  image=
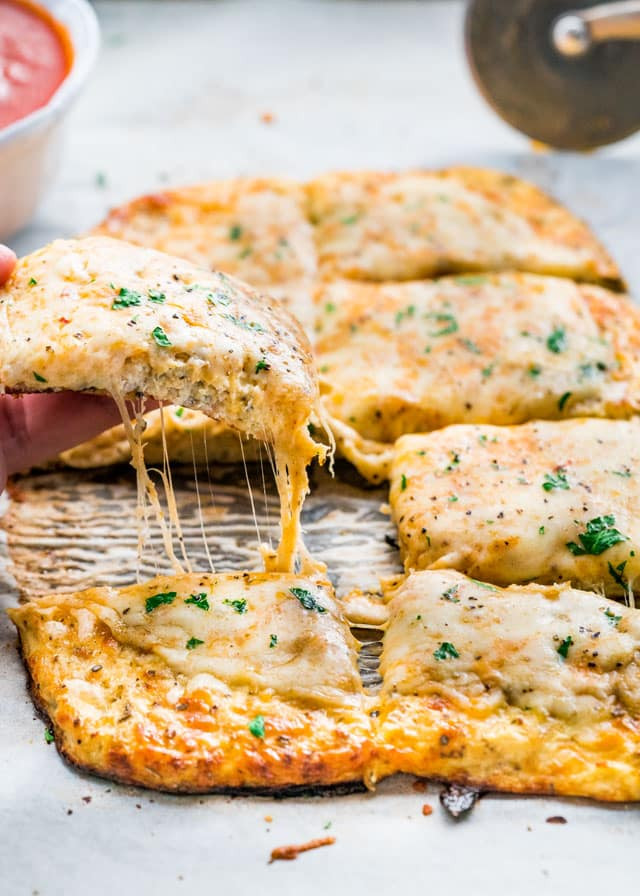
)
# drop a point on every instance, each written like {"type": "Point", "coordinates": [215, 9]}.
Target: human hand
{"type": "Point", "coordinates": [7, 263]}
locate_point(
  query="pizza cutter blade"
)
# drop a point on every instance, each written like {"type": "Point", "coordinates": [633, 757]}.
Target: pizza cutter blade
{"type": "Point", "coordinates": [563, 73]}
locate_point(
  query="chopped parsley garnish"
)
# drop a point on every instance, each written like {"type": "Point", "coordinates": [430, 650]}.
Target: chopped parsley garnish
{"type": "Point", "coordinates": [235, 232]}
{"type": "Point", "coordinates": [156, 296]}
{"type": "Point", "coordinates": [611, 616]}
{"type": "Point", "coordinates": [403, 482]}
{"type": "Point", "coordinates": [307, 600]}
{"type": "Point", "coordinates": [33, 281]}
{"type": "Point", "coordinates": [624, 474]}
{"type": "Point", "coordinates": [48, 736]}
{"type": "Point", "coordinates": [330, 307]}
{"type": "Point", "coordinates": [534, 370]}
{"type": "Point", "coordinates": [179, 412]}
{"type": "Point", "coordinates": [246, 252]}
{"type": "Point", "coordinates": [541, 530]}
{"type": "Point", "coordinates": [446, 651]}
{"type": "Point", "coordinates": [487, 371]}
{"type": "Point", "coordinates": [349, 220]}
{"type": "Point", "coordinates": [239, 605]}
{"type": "Point", "coordinates": [471, 345]}
{"type": "Point", "coordinates": [563, 649]}
{"type": "Point", "coordinates": [160, 337]}
{"type": "Point", "coordinates": [126, 298]}
{"type": "Point", "coordinates": [617, 574]}
{"type": "Point", "coordinates": [192, 643]}
{"type": "Point", "coordinates": [556, 480]}
{"type": "Point", "coordinates": [217, 298]}
{"type": "Point", "coordinates": [441, 317]}
{"type": "Point", "coordinates": [557, 341]}
{"type": "Point", "coordinates": [262, 365]}
{"type": "Point", "coordinates": [256, 726]}
{"type": "Point", "coordinates": [273, 640]}
{"type": "Point", "coordinates": [408, 312]}
{"type": "Point", "coordinates": [38, 377]}
{"type": "Point", "coordinates": [245, 324]}
{"type": "Point", "coordinates": [452, 499]}
{"type": "Point", "coordinates": [156, 600]}
{"type": "Point", "coordinates": [484, 585]}
{"type": "Point", "coordinates": [563, 400]}
{"type": "Point", "coordinates": [450, 594]}
{"type": "Point", "coordinates": [600, 535]}
{"type": "Point", "coordinates": [198, 600]}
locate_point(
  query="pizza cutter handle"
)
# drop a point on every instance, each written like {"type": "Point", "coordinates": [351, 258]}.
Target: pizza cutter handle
{"type": "Point", "coordinates": [576, 31]}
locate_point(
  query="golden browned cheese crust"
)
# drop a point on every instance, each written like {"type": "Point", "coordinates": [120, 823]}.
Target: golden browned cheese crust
{"type": "Point", "coordinates": [397, 358]}
{"type": "Point", "coordinates": [253, 228]}
{"type": "Point", "coordinates": [544, 502]}
{"type": "Point", "coordinates": [526, 690]}
{"type": "Point", "coordinates": [385, 226]}
{"type": "Point", "coordinates": [201, 682]}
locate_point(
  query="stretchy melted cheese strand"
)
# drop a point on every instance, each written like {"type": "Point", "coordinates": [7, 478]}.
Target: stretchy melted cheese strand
{"type": "Point", "coordinates": [100, 315]}
{"type": "Point", "coordinates": [529, 689]}
{"type": "Point", "coordinates": [384, 226]}
{"type": "Point", "coordinates": [544, 502]}
{"type": "Point", "coordinates": [201, 682]}
{"type": "Point", "coordinates": [398, 358]}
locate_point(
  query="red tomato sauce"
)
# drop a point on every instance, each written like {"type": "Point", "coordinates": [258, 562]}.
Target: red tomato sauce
{"type": "Point", "coordinates": [35, 58]}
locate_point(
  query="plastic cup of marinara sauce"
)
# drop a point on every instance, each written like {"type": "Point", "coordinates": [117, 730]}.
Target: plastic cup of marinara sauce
{"type": "Point", "coordinates": [47, 50]}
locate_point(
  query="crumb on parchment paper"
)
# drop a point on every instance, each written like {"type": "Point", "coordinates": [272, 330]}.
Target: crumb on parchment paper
{"type": "Point", "coordinates": [288, 853]}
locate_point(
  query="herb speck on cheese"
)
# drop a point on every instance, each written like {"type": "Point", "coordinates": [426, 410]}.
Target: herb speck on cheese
{"type": "Point", "coordinates": [198, 600]}
{"type": "Point", "coordinates": [557, 341]}
{"type": "Point", "coordinates": [563, 649]}
{"type": "Point", "coordinates": [307, 600]}
{"type": "Point", "coordinates": [157, 600]}
{"type": "Point", "coordinates": [273, 640]}
{"type": "Point", "coordinates": [600, 535]}
{"type": "Point", "coordinates": [446, 651]}
{"type": "Point", "coordinates": [256, 726]}
{"type": "Point", "coordinates": [192, 643]}
{"type": "Point", "coordinates": [239, 605]}
{"type": "Point", "coordinates": [556, 480]}
{"type": "Point", "coordinates": [160, 337]}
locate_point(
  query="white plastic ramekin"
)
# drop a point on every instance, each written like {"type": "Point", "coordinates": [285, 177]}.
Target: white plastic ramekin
{"type": "Point", "coordinates": [30, 148]}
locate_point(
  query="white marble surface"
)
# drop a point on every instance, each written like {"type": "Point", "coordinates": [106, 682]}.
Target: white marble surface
{"type": "Point", "coordinates": [178, 95]}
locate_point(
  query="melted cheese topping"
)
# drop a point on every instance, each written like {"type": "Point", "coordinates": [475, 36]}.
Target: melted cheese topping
{"type": "Point", "coordinates": [98, 314]}
{"type": "Point", "coordinates": [508, 648]}
{"type": "Point", "coordinates": [523, 503]}
{"type": "Point", "coordinates": [375, 226]}
{"type": "Point", "coordinates": [256, 633]}
{"type": "Point", "coordinates": [504, 348]}
{"type": "Point", "coordinates": [255, 229]}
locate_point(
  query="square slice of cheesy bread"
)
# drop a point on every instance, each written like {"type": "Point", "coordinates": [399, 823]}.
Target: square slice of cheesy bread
{"type": "Point", "coordinates": [253, 228]}
{"type": "Point", "coordinates": [397, 358]}
{"type": "Point", "coordinates": [201, 682]}
{"type": "Point", "coordinates": [387, 226]}
{"type": "Point", "coordinates": [526, 689]}
{"type": "Point", "coordinates": [546, 502]}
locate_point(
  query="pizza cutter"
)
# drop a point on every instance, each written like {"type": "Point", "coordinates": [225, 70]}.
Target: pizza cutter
{"type": "Point", "coordinates": [566, 74]}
